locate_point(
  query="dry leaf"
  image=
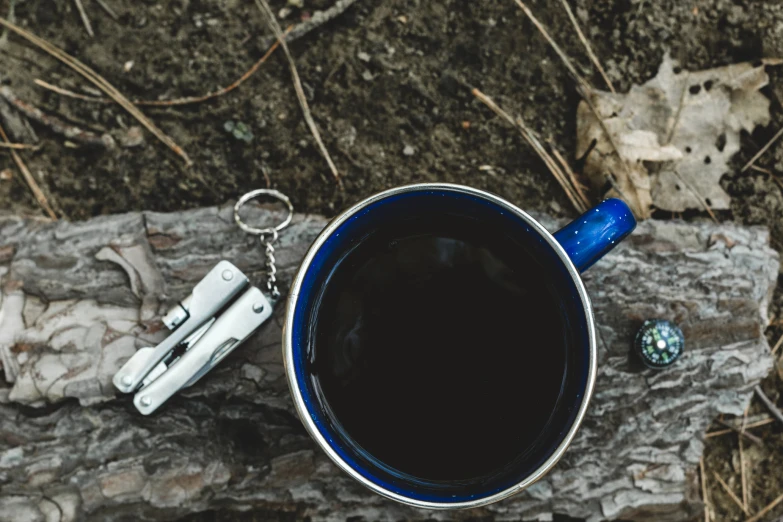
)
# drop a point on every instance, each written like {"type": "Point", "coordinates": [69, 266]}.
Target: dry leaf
{"type": "Point", "coordinates": [685, 124]}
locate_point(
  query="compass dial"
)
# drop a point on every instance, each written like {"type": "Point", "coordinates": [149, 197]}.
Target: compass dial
{"type": "Point", "coordinates": [659, 343]}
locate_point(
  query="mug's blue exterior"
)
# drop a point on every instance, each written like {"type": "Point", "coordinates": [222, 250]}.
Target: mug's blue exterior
{"type": "Point", "coordinates": [587, 238]}
{"type": "Point", "coordinates": [570, 251]}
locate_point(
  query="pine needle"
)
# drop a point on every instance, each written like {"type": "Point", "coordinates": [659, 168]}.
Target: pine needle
{"type": "Point", "coordinates": [763, 149]}
{"type": "Point", "coordinates": [85, 19]}
{"type": "Point", "coordinates": [587, 45]}
{"type": "Point", "coordinates": [704, 497]}
{"type": "Point", "coordinates": [731, 494]}
{"type": "Point", "coordinates": [777, 345]}
{"type": "Point", "coordinates": [18, 146]}
{"type": "Point", "coordinates": [572, 192]}
{"type": "Point", "coordinates": [108, 9]}
{"type": "Point", "coordinates": [718, 433]}
{"type": "Point", "coordinates": [99, 82]}
{"type": "Point", "coordinates": [769, 507]}
{"type": "Point", "coordinates": [743, 475]}
{"type": "Point", "coordinates": [178, 101]}
{"type": "Point", "coordinates": [272, 21]}
{"type": "Point", "coordinates": [28, 177]}
{"type": "Point", "coordinates": [563, 56]}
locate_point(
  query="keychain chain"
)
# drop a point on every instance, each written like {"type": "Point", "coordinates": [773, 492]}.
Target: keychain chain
{"type": "Point", "coordinates": [267, 236]}
{"type": "Point", "coordinates": [271, 269]}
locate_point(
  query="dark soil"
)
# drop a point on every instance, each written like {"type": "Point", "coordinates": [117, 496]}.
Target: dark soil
{"type": "Point", "coordinates": [388, 86]}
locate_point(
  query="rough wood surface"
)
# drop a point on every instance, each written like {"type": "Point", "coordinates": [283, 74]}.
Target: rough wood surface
{"type": "Point", "coordinates": [79, 298]}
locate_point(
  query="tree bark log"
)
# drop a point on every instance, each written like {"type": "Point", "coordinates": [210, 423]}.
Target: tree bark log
{"type": "Point", "coordinates": [79, 298]}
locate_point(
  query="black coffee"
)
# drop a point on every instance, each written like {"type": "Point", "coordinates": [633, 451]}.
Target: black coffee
{"type": "Point", "coordinates": [441, 353]}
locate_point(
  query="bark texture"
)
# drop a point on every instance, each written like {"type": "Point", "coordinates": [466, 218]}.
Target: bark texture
{"type": "Point", "coordinates": [77, 299]}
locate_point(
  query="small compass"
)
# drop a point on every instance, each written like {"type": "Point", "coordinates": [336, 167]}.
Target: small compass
{"type": "Point", "coordinates": [659, 343]}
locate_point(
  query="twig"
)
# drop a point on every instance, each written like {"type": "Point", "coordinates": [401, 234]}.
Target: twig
{"type": "Point", "coordinates": [768, 403]}
{"type": "Point", "coordinates": [563, 56]}
{"type": "Point", "coordinates": [769, 507]}
{"type": "Point", "coordinates": [28, 177]}
{"type": "Point", "coordinates": [699, 198]}
{"type": "Point", "coordinates": [731, 494]}
{"type": "Point", "coordinates": [753, 420]}
{"type": "Point", "coordinates": [758, 424]}
{"type": "Point", "coordinates": [542, 152]}
{"type": "Point", "coordinates": [18, 146]}
{"type": "Point", "coordinates": [101, 83]}
{"type": "Point", "coordinates": [71, 94]}
{"type": "Point", "coordinates": [266, 176]}
{"type": "Point", "coordinates": [743, 478]}
{"type": "Point", "coordinates": [769, 173]}
{"type": "Point", "coordinates": [83, 15]}
{"type": "Point", "coordinates": [761, 151]}
{"type": "Point", "coordinates": [57, 125]}
{"type": "Point", "coordinates": [777, 345]}
{"type": "Point", "coordinates": [761, 169]}
{"type": "Point", "coordinates": [580, 189]}
{"type": "Point", "coordinates": [11, 17]}
{"type": "Point", "coordinates": [108, 9]}
{"type": "Point", "coordinates": [704, 490]}
{"type": "Point", "coordinates": [587, 45]}
{"type": "Point", "coordinates": [272, 21]}
{"type": "Point", "coordinates": [178, 101]}
{"type": "Point", "coordinates": [533, 141]}
{"type": "Point", "coordinates": [748, 436]}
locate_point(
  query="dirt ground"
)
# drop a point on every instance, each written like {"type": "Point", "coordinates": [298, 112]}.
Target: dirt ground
{"type": "Point", "coordinates": [388, 86]}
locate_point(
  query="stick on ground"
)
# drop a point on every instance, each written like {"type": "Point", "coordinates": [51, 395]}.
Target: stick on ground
{"type": "Point", "coordinates": [731, 494]}
{"type": "Point", "coordinates": [718, 433]}
{"type": "Point", "coordinates": [743, 475]}
{"type": "Point", "coordinates": [272, 21]}
{"type": "Point", "coordinates": [587, 45]}
{"type": "Point", "coordinates": [744, 434]}
{"type": "Point", "coordinates": [10, 17]}
{"type": "Point", "coordinates": [166, 103]}
{"type": "Point", "coordinates": [768, 403]}
{"type": "Point", "coordinates": [763, 149]}
{"type": "Point", "coordinates": [777, 344]}
{"type": "Point", "coordinates": [769, 507]}
{"type": "Point", "coordinates": [18, 146]}
{"type": "Point", "coordinates": [99, 82]}
{"type": "Point", "coordinates": [54, 123]}
{"type": "Point", "coordinates": [563, 56]}
{"type": "Point", "coordinates": [28, 177]}
{"type": "Point", "coordinates": [83, 16]}
{"type": "Point", "coordinates": [702, 201]}
{"type": "Point", "coordinates": [571, 191]}
{"type": "Point", "coordinates": [578, 186]}
{"type": "Point", "coordinates": [704, 498]}
{"type": "Point", "coordinates": [108, 9]}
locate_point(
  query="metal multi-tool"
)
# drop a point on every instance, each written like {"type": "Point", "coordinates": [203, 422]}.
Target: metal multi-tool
{"type": "Point", "coordinates": [221, 312]}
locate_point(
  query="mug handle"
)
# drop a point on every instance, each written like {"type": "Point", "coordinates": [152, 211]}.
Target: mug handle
{"type": "Point", "coordinates": [593, 234]}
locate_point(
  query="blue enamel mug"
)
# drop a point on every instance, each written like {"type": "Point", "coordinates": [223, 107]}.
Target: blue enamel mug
{"type": "Point", "coordinates": [439, 342]}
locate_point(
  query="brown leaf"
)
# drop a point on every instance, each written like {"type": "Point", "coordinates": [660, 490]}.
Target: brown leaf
{"type": "Point", "coordinates": [686, 122]}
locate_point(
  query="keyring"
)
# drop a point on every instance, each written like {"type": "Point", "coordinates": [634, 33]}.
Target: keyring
{"type": "Point", "coordinates": [253, 194]}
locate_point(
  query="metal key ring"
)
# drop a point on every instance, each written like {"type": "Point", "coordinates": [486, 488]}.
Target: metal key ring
{"type": "Point", "coordinates": [253, 194]}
